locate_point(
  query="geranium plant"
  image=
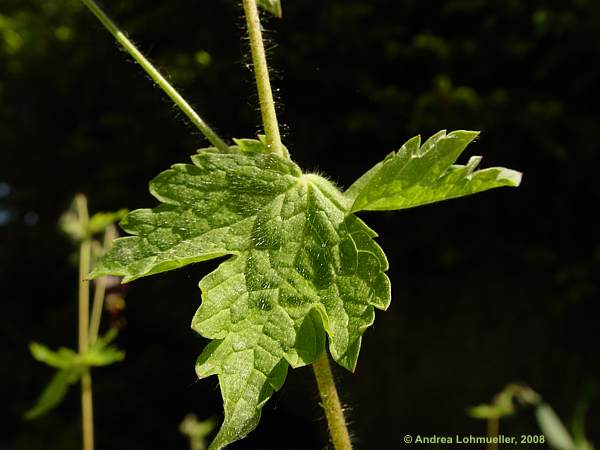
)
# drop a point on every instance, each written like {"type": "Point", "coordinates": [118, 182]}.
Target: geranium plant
{"type": "Point", "coordinates": [303, 274]}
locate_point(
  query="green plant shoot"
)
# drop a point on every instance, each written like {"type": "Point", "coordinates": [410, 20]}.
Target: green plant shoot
{"type": "Point", "coordinates": [74, 367]}
{"type": "Point", "coordinates": [303, 271]}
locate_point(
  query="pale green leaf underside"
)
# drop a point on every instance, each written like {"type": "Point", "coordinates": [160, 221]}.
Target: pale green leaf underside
{"type": "Point", "coordinates": [272, 6]}
{"type": "Point", "coordinates": [420, 174]}
{"type": "Point", "coordinates": [301, 268]}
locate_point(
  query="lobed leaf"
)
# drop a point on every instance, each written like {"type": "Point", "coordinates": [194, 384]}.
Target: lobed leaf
{"type": "Point", "coordinates": [301, 268]}
{"type": "Point", "coordinates": [420, 174]}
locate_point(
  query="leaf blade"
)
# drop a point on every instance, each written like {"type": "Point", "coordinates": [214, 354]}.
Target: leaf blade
{"type": "Point", "coordinates": [422, 174]}
{"type": "Point", "coordinates": [301, 268]}
{"type": "Point", "coordinates": [64, 358]}
{"type": "Point", "coordinates": [54, 392]}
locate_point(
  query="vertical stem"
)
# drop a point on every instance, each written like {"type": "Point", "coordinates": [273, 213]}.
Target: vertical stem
{"type": "Point", "coordinates": [331, 404]}
{"type": "Point", "coordinates": [99, 292]}
{"type": "Point", "coordinates": [156, 76]}
{"type": "Point", "coordinates": [493, 429]}
{"type": "Point", "coordinates": [261, 73]}
{"type": "Point", "coordinates": [98, 303]}
{"type": "Point", "coordinates": [87, 411]}
{"type": "Point", "coordinates": [87, 418]}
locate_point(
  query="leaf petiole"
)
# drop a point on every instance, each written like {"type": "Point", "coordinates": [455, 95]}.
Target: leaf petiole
{"type": "Point", "coordinates": [156, 76]}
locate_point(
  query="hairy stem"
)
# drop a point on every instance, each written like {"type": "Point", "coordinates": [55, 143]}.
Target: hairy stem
{"type": "Point", "coordinates": [156, 76]}
{"type": "Point", "coordinates": [261, 73]}
{"type": "Point", "coordinates": [87, 414]}
{"type": "Point", "coordinates": [331, 403]}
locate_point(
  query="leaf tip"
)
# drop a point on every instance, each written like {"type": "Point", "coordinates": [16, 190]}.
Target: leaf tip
{"type": "Point", "coordinates": [511, 177]}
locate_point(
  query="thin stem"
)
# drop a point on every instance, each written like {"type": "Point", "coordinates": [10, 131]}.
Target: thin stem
{"type": "Point", "coordinates": [261, 73]}
{"type": "Point", "coordinates": [87, 415]}
{"type": "Point", "coordinates": [156, 76]}
{"type": "Point", "coordinates": [493, 430]}
{"type": "Point", "coordinates": [99, 293]}
{"type": "Point", "coordinates": [331, 404]}
{"type": "Point", "coordinates": [87, 409]}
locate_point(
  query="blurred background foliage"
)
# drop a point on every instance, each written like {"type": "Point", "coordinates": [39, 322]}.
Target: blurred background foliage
{"type": "Point", "coordinates": [486, 290]}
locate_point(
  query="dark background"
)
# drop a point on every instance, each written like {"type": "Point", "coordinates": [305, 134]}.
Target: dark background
{"type": "Point", "coordinates": [487, 290]}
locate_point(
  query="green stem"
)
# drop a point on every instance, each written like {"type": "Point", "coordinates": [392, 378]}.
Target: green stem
{"type": "Point", "coordinates": [331, 404]}
{"type": "Point", "coordinates": [156, 76]}
{"type": "Point", "coordinates": [261, 73]}
{"type": "Point", "coordinates": [99, 293]}
{"type": "Point", "coordinates": [87, 414]}
{"type": "Point", "coordinates": [493, 430]}
{"type": "Point", "coordinates": [110, 235]}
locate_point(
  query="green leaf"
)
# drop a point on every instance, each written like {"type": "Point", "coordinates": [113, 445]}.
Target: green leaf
{"type": "Point", "coordinates": [54, 392]}
{"type": "Point", "coordinates": [101, 353]}
{"type": "Point", "coordinates": [196, 431]}
{"type": "Point", "coordinates": [71, 225]}
{"type": "Point", "coordinates": [420, 174]}
{"type": "Point", "coordinates": [553, 429]}
{"type": "Point", "coordinates": [301, 267]}
{"type": "Point", "coordinates": [503, 403]}
{"type": "Point", "coordinates": [272, 6]}
{"type": "Point", "coordinates": [484, 411]}
{"type": "Point", "coordinates": [99, 221]}
{"type": "Point", "coordinates": [64, 358]}
{"type": "Point", "coordinates": [71, 365]}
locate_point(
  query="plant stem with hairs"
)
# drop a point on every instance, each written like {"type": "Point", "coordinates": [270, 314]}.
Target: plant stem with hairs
{"type": "Point", "coordinates": [263, 83]}
{"type": "Point", "coordinates": [330, 402]}
{"type": "Point", "coordinates": [156, 76]}
{"type": "Point", "coordinates": [87, 414]}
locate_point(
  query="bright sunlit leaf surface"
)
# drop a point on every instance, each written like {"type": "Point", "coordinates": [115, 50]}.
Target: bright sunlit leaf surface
{"type": "Point", "coordinates": [303, 268]}
{"type": "Point", "coordinates": [420, 174]}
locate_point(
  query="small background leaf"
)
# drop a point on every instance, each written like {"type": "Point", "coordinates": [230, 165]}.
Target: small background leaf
{"type": "Point", "coordinates": [196, 431]}
{"type": "Point", "coordinates": [553, 429]}
{"type": "Point", "coordinates": [54, 392]}
{"type": "Point", "coordinates": [63, 359]}
{"type": "Point", "coordinates": [101, 220]}
{"type": "Point", "coordinates": [272, 6]}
